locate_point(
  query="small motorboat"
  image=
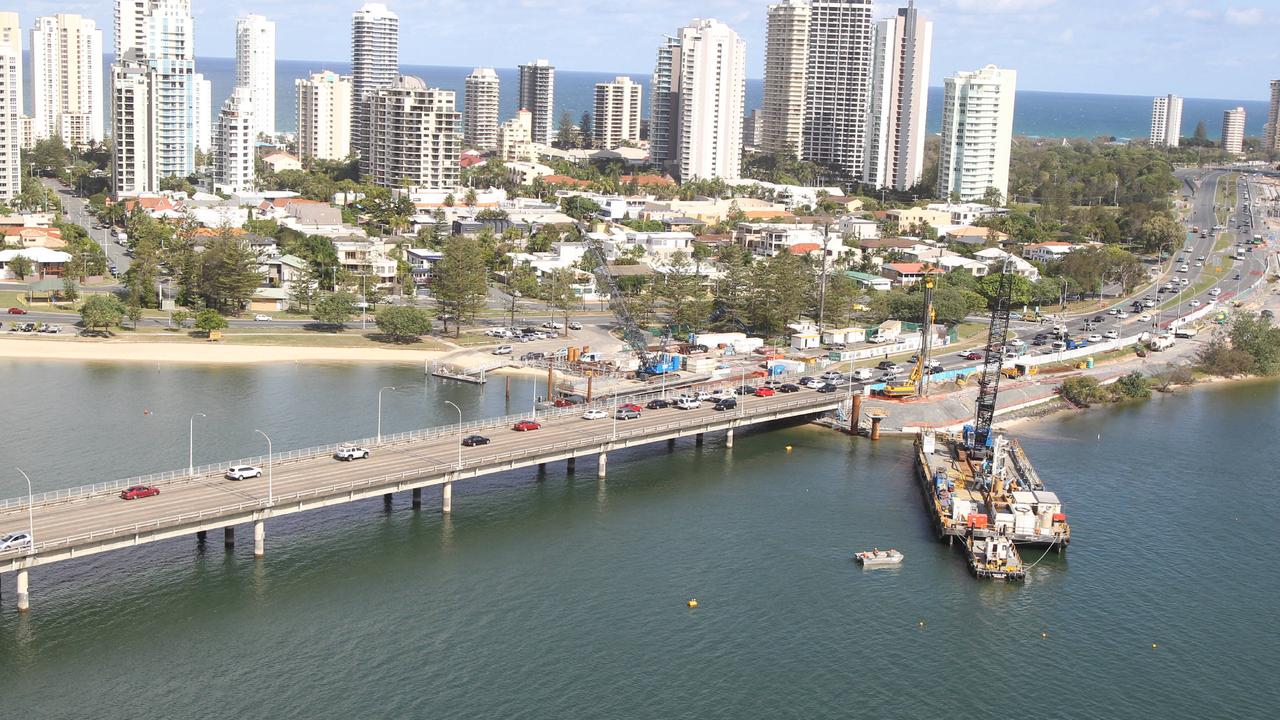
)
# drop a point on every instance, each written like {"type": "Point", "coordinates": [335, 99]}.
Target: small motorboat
{"type": "Point", "coordinates": [879, 558]}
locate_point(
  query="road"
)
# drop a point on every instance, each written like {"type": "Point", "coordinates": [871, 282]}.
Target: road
{"type": "Point", "coordinates": [76, 210]}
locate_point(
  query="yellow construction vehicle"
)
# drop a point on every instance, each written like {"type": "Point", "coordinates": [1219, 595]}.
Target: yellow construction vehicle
{"type": "Point", "coordinates": [915, 381]}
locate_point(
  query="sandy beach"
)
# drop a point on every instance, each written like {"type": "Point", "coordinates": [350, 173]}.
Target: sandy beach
{"type": "Point", "coordinates": [210, 353]}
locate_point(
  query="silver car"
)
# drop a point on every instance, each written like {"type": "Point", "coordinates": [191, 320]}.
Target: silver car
{"type": "Point", "coordinates": [14, 541]}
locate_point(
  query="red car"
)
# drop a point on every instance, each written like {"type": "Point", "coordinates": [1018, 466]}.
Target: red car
{"type": "Point", "coordinates": [764, 392]}
{"type": "Point", "coordinates": [564, 402]}
{"type": "Point", "coordinates": [17, 311]}
{"type": "Point", "coordinates": [526, 426]}
{"type": "Point", "coordinates": [630, 406]}
{"type": "Point", "coordinates": [138, 492]}
{"type": "Point", "coordinates": [974, 356]}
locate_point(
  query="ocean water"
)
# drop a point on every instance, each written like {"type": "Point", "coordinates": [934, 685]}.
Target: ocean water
{"type": "Point", "coordinates": [1036, 113]}
{"type": "Point", "coordinates": [558, 596]}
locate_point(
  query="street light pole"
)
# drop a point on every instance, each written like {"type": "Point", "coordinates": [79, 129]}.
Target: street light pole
{"type": "Point", "coordinates": [270, 492]}
{"type": "Point", "coordinates": [380, 410]}
{"type": "Point", "coordinates": [455, 407]}
{"type": "Point", "coordinates": [31, 514]}
{"type": "Point", "coordinates": [191, 442]}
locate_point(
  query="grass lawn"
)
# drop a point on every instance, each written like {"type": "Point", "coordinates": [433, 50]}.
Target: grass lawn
{"type": "Point", "coordinates": [255, 336]}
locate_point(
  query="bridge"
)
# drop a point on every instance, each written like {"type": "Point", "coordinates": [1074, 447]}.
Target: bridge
{"type": "Point", "coordinates": [92, 519]}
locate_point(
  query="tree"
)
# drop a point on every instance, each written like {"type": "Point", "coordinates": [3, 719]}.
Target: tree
{"type": "Point", "coordinates": [21, 266]}
{"type": "Point", "coordinates": [134, 313]}
{"type": "Point", "coordinates": [1255, 336]}
{"type": "Point", "coordinates": [460, 281]}
{"type": "Point", "coordinates": [403, 323]}
{"type": "Point", "coordinates": [557, 289]}
{"type": "Point", "coordinates": [228, 274]}
{"type": "Point", "coordinates": [579, 208]}
{"type": "Point", "coordinates": [565, 133]}
{"type": "Point", "coordinates": [334, 309]}
{"type": "Point", "coordinates": [179, 317]}
{"type": "Point", "coordinates": [101, 311]}
{"type": "Point", "coordinates": [209, 320]}
{"type": "Point", "coordinates": [1202, 133]}
{"type": "Point", "coordinates": [1134, 385]}
{"type": "Point", "coordinates": [470, 199]}
{"type": "Point", "coordinates": [584, 129]}
{"type": "Point", "coordinates": [1082, 391]}
{"type": "Point", "coordinates": [1160, 231]}
{"type": "Point", "coordinates": [70, 290]}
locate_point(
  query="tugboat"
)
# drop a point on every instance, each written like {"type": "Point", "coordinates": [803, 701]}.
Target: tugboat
{"type": "Point", "coordinates": [879, 558]}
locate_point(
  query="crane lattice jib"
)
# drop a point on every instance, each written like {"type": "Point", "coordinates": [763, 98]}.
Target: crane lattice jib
{"type": "Point", "coordinates": [631, 332]}
{"type": "Point", "coordinates": [989, 382]}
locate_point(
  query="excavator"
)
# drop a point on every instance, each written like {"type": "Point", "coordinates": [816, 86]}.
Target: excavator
{"type": "Point", "coordinates": [919, 378]}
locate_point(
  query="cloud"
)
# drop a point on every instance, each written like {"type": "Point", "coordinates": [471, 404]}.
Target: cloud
{"type": "Point", "coordinates": [1006, 7]}
{"type": "Point", "coordinates": [1245, 17]}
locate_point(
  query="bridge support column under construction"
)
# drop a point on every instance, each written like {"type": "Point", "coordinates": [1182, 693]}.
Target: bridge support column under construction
{"type": "Point", "coordinates": [201, 536]}
{"type": "Point", "coordinates": [24, 597]}
{"type": "Point", "coordinates": [228, 537]}
{"type": "Point", "coordinates": [570, 465]}
{"type": "Point", "coordinates": [259, 538]}
{"type": "Point", "coordinates": [602, 465]}
{"type": "Point", "coordinates": [728, 438]}
{"type": "Point", "coordinates": [697, 439]}
{"type": "Point", "coordinates": [446, 498]}
{"type": "Point", "coordinates": [417, 498]}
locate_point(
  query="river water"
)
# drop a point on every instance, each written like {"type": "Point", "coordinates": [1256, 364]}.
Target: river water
{"type": "Point", "coordinates": [562, 597]}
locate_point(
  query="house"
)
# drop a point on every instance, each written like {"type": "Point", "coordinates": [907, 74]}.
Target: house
{"type": "Point", "coordinates": [995, 258]}
{"type": "Point", "coordinates": [916, 216]}
{"type": "Point", "coordinates": [32, 237]}
{"type": "Point", "coordinates": [964, 213]}
{"type": "Point", "coordinates": [1048, 251]}
{"type": "Point", "coordinates": [770, 239]}
{"type": "Point", "coordinates": [44, 262]}
{"type": "Point", "coordinates": [279, 274]}
{"type": "Point", "coordinates": [908, 274]}
{"type": "Point", "coordinates": [873, 282]}
{"type": "Point", "coordinates": [280, 161]}
{"type": "Point", "coordinates": [859, 228]}
{"type": "Point", "coordinates": [975, 235]}
{"type": "Point", "coordinates": [524, 173]}
{"type": "Point", "coordinates": [793, 196]}
{"type": "Point", "coordinates": [315, 219]}
{"type": "Point", "coordinates": [422, 262]}
{"type": "Point", "coordinates": [367, 257]}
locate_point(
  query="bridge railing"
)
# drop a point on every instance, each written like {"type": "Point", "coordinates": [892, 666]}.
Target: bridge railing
{"type": "Point", "coordinates": [474, 463]}
{"type": "Point", "coordinates": [202, 472]}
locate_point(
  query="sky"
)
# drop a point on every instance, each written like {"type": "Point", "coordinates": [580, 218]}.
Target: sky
{"type": "Point", "coordinates": [1193, 48]}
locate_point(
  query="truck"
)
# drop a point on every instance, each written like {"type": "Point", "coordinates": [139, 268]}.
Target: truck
{"type": "Point", "coordinates": [888, 331]}
{"type": "Point", "coordinates": [1186, 331]}
{"type": "Point", "coordinates": [1160, 342]}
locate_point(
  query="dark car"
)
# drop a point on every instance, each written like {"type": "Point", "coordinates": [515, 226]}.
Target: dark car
{"type": "Point", "coordinates": [807, 381]}
{"type": "Point", "coordinates": [1097, 319]}
{"type": "Point", "coordinates": [788, 388]}
{"type": "Point", "coordinates": [474, 440]}
{"type": "Point", "coordinates": [532, 356]}
{"type": "Point", "coordinates": [1040, 341]}
{"type": "Point", "coordinates": [726, 403]}
{"type": "Point", "coordinates": [744, 390]}
{"type": "Point", "coordinates": [657, 404]}
{"type": "Point", "coordinates": [887, 364]}
{"type": "Point", "coordinates": [625, 413]}
{"type": "Point", "coordinates": [137, 492]}
{"type": "Point", "coordinates": [526, 425]}
{"type": "Point", "coordinates": [828, 388]}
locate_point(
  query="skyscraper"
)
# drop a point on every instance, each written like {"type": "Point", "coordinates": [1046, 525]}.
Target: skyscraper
{"type": "Point", "coordinates": [233, 150]}
{"type": "Point", "coordinates": [1233, 130]}
{"type": "Point", "coordinates": [133, 168]}
{"type": "Point", "coordinates": [66, 79]}
{"type": "Point", "coordinates": [786, 56]}
{"type": "Point", "coordinates": [375, 62]}
{"type": "Point", "coordinates": [10, 122]}
{"type": "Point", "coordinates": [538, 96]}
{"type": "Point", "coordinates": [1271, 133]}
{"type": "Point", "coordinates": [11, 39]}
{"type": "Point", "coordinates": [324, 116]}
{"type": "Point", "coordinates": [1166, 121]}
{"type": "Point", "coordinates": [899, 98]}
{"type": "Point", "coordinates": [700, 82]}
{"type": "Point", "coordinates": [837, 84]}
{"type": "Point", "coordinates": [480, 119]}
{"type": "Point", "coordinates": [617, 112]}
{"type": "Point", "coordinates": [977, 133]}
{"type": "Point", "coordinates": [256, 69]}
{"type": "Point", "coordinates": [202, 88]}
{"type": "Point", "coordinates": [413, 136]}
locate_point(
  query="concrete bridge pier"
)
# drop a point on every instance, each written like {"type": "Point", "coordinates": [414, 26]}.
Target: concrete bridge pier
{"type": "Point", "coordinates": [417, 498]}
{"type": "Point", "coordinates": [571, 465]}
{"type": "Point", "coordinates": [446, 498]}
{"type": "Point", "coordinates": [24, 597]}
{"type": "Point", "coordinates": [229, 537]}
{"type": "Point", "coordinates": [728, 439]}
{"type": "Point", "coordinates": [600, 468]}
{"type": "Point", "coordinates": [259, 538]}
{"type": "Point", "coordinates": [697, 439]}
{"type": "Point", "coordinates": [671, 444]}
{"type": "Point", "coordinates": [386, 501]}
{"type": "Point", "coordinates": [201, 536]}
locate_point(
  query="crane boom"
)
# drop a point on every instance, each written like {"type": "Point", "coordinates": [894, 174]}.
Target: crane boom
{"type": "Point", "coordinates": [631, 332]}
{"type": "Point", "coordinates": [989, 381]}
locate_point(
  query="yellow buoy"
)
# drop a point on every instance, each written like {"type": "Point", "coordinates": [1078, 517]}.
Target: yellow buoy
{"type": "Point", "coordinates": [693, 603]}
{"type": "Point", "coordinates": [1154, 646]}
{"type": "Point", "coordinates": [788, 448]}
{"type": "Point", "coordinates": [920, 624]}
{"type": "Point", "coordinates": [1044, 635]}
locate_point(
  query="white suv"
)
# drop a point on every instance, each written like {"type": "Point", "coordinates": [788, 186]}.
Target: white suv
{"type": "Point", "coordinates": [685, 402]}
{"type": "Point", "coordinates": [351, 453]}
{"type": "Point", "coordinates": [243, 472]}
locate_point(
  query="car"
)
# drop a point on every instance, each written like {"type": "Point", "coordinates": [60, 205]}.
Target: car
{"type": "Point", "coordinates": [1040, 341]}
{"type": "Point", "coordinates": [1236, 277]}
{"type": "Point", "coordinates": [526, 425]}
{"type": "Point", "coordinates": [17, 311]}
{"type": "Point", "coordinates": [788, 388]}
{"type": "Point", "coordinates": [261, 318]}
{"type": "Point", "coordinates": [474, 440]}
{"type": "Point", "coordinates": [575, 325]}
{"type": "Point", "coordinates": [684, 402]}
{"type": "Point", "coordinates": [137, 492]}
{"type": "Point", "coordinates": [861, 374]}
{"type": "Point", "coordinates": [764, 392]}
{"type": "Point", "coordinates": [1183, 268]}
{"type": "Point", "coordinates": [502, 350]}
{"type": "Point", "coordinates": [595, 414]}
{"type": "Point", "coordinates": [1215, 292]}
{"type": "Point", "coordinates": [1267, 314]}
{"type": "Point", "coordinates": [564, 402]}
{"type": "Point", "coordinates": [553, 325]}
{"type": "Point", "coordinates": [720, 394]}
{"type": "Point", "coordinates": [702, 395]}
{"type": "Point", "coordinates": [745, 390]}
{"type": "Point", "coordinates": [243, 472]}
{"type": "Point", "coordinates": [1144, 317]}
{"type": "Point", "coordinates": [1199, 264]}
{"type": "Point", "coordinates": [1148, 303]}
{"type": "Point", "coordinates": [1200, 259]}
{"type": "Point", "coordinates": [807, 381]}
{"type": "Point", "coordinates": [351, 452]}
{"type": "Point", "coordinates": [828, 388]}
{"type": "Point", "coordinates": [1194, 303]}
{"type": "Point", "coordinates": [1016, 343]}
{"type": "Point", "coordinates": [975, 355]}
{"type": "Point", "coordinates": [775, 384]}
{"type": "Point", "coordinates": [13, 541]}
{"type": "Point", "coordinates": [1094, 338]}
{"type": "Point", "coordinates": [624, 413]}
{"type": "Point", "coordinates": [657, 404]}
{"type": "Point", "coordinates": [1111, 335]}
{"type": "Point", "coordinates": [1112, 312]}
{"type": "Point", "coordinates": [728, 403]}
{"type": "Point", "coordinates": [631, 407]}
{"type": "Point", "coordinates": [533, 356]}
{"type": "Point", "coordinates": [1184, 282]}
{"type": "Point", "coordinates": [832, 376]}
{"type": "Point", "coordinates": [1122, 315]}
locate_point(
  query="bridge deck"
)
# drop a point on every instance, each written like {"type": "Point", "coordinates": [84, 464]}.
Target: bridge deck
{"type": "Point", "coordinates": [96, 520]}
